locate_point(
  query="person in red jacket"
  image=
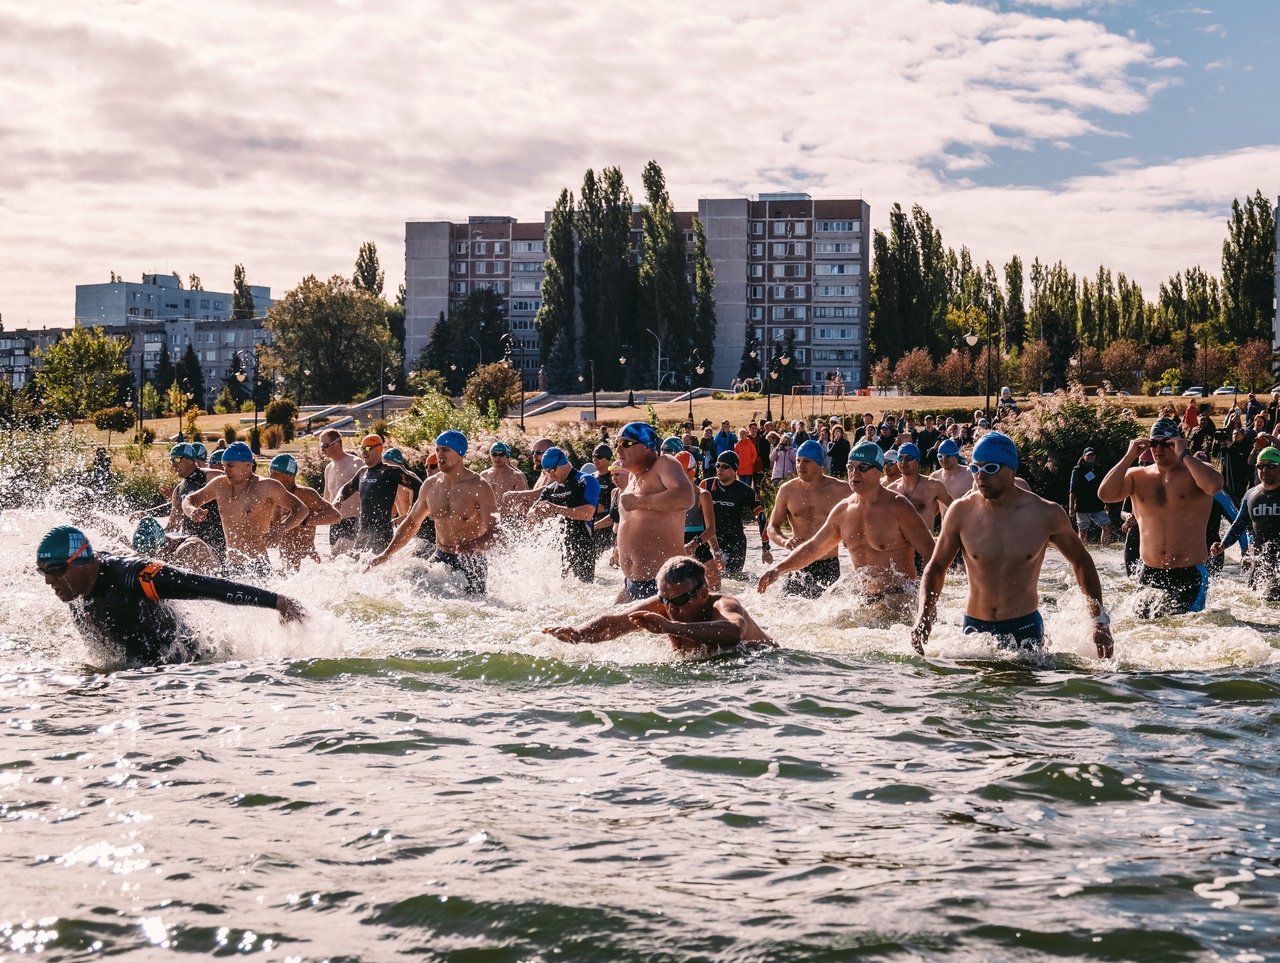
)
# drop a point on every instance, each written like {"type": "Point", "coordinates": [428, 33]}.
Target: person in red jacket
{"type": "Point", "coordinates": [748, 456]}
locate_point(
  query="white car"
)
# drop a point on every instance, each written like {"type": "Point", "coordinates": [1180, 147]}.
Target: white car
{"type": "Point", "coordinates": [1193, 393]}
{"type": "Point", "coordinates": [1226, 390]}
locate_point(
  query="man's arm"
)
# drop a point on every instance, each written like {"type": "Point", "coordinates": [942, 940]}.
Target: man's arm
{"type": "Point", "coordinates": [167, 582]}
{"type": "Point", "coordinates": [1207, 478]}
{"type": "Point", "coordinates": [603, 627]}
{"type": "Point", "coordinates": [1237, 526]}
{"type": "Point", "coordinates": [1118, 483]}
{"type": "Point", "coordinates": [349, 489]}
{"type": "Point", "coordinates": [1071, 493]}
{"type": "Point", "coordinates": [773, 531]}
{"type": "Point", "coordinates": [407, 529]}
{"type": "Point", "coordinates": [819, 546]}
{"type": "Point", "coordinates": [722, 633]}
{"type": "Point", "coordinates": [410, 481]}
{"type": "Point", "coordinates": [1068, 543]}
{"type": "Point", "coordinates": [319, 511]}
{"type": "Point", "coordinates": [191, 504]}
{"type": "Point", "coordinates": [934, 577]}
{"type": "Point", "coordinates": [295, 512]}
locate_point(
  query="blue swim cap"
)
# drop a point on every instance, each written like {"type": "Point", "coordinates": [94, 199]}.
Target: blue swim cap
{"type": "Point", "coordinates": [238, 451]}
{"type": "Point", "coordinates": [812, 450]}
{"type": "Point", "coordinates": [182, 450]}
{"type": "Point", "coordinates": [642, 432]}
{"type": "Point", "coordinates": [393, 455]}
{"type": "Point", "coordinates": [497, 448]}
{"type": "Point", "coordinates": [553, 458]}
{"type": "Point", "coordinates": [65, 544]}
{"type": "Point", "coordinates": [453, 440]}
{"type": "Point", "coordinates": [948, 447]}
{"type": "Point", "coordinates": [909, 450]}
{"type": "Point", "coordinates": [148, 536]}
{"type": "Point", "coordinates": [286, 464]}
{"type": "Point", "coordinates": [215, 456]}
{"type": "Point", "coordinates": [673, 445]}
{"type": "Point", "coordinates": [867, 452]}
{"type": "Point", "coordinates": [200, 452]}
{"type": "Point", "coordinates": [997, 448]}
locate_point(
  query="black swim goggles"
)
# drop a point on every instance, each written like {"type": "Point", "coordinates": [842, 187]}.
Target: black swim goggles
{"type": "Point", "coordinates": [679, 600]}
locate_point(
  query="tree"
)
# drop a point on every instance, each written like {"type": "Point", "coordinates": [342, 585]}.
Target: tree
{"type": "Point", "coordinates": [1121, 365]}
{"type": "Point", "coordinates": [226, 402]}
{"type": "Point", "coordinates": [749, 367]}
{"type": "Point", "coordinates": [369, 275]}
{"type": "Point", "coordinates": [704, 303]}
{"type": "Point", "coordinates": [149, 398]}
{"type": "Point", "coordinates": [562, 366]}
{"type": "Point", "coordinates": [1248, 269]}
{"type": "Point", "coordinates": [242, 307]}
{"type": "Point", "coordinates": [163, 374]}
{"type": "Point", "coordinates": [178, 278]}
{"type": "Point", "coordinates": [1159, 360]}
{"type": "Point", "coordinates": [882, 373]}
{"type": "Point", "coordinates": [498, 383]}
{"type": "Point", "coordinates": [472, 332]}
{"type": "Point", "coordinates": [113, 420]}
{"type": "Point", "coordinates": [1253, 364]}
{"type": "Point", "coordinates": [1211, 366]}
{"type": "Point", "coordinates": [955, 373]}
{"type": "Point", "coordinates": [1034, 366]}
{"type": "Point", "coordinates": [664, 287]}
{"type": "Point", "coordinates": [556, 313]}
{"type": "Point", "coordinates": [914, 371]}
{"type": "Point", "coordinates": [282, 412]}
{"type": "Point", "coordinates": [336, 331]}
{"type": "Point", "coordinates": [1015, 312]}
{"type": "Point", "coordinates": [191, 376]}
{"type": "Point", "coordinates": [605, 276]}
{"type": "Point", "coordinates": [82, 372]}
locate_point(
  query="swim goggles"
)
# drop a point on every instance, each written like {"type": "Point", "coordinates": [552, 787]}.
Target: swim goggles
{"type": "Point", "coordinates": [987, 468]}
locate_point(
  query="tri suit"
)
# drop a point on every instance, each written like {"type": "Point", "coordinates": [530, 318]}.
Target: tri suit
{"type": "Point", "coordinates": [378, 486]}
{"type": "Point", "coordinates": [578, 551]}
{"type": "Point", "coordinates": [732, 504]}
{"type": "Point", "coordinates": [1260, 515]}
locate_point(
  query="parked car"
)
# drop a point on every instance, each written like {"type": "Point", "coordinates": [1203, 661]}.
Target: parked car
{"type": "Point", "coordinates": [1193, 393]}
{"type": "Point", "coordinates": [1226, 390]}
{"type": "Point", "coordinates": [1166, 390]}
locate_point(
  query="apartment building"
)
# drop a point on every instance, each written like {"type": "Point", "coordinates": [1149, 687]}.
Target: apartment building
{"type": "Point", "coordinates": [17, 352]}
{"type": "Point", "coordinates": [159, 297]}
{"type": "Point", "coordinates": [785, 263]}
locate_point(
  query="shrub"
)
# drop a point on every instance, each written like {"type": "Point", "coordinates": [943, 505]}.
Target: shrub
{"type": "Point", "coordinates": [113, 420]}
{"type": "Point", "coordinates": [311, 466]}
{"type": "Point", "coordinates": [380, 429]}
{"type": "Point", "coordinates": [145, 436]}
{"type": "Point", "coordinates": [497, 383]}
{"type": "Point", "coordinates": [191, 423]}
{"type": "Point", "coordinates": [246, 407]}
{"type": "Point", "coordinates": [139, 488]}
{"type": "Point", "coordinates": [229, 434]}
{"type": "Point", "coordinates": [273, 437]}
{"type": "Point", "coordinates": [432, 414]}
{"type": "Point", "coordinates": [283, 413]}
{"type": "Point", "coordinates": [225, 403]}
{"type": "Point", "coordinates": [255, 439]}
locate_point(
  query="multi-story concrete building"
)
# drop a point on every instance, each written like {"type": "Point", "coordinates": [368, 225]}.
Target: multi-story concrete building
{"type": "Point", "coordinates": [17, 352]}
{"type": "Point", "coordinates": [784, 263]}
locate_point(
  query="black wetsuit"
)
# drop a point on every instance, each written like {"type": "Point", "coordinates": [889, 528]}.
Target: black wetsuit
{"type": "Point", "coordinates": [574, 492]}
{"type": "Point", "coordinates": [128, 608]}
{"type": "Point", "coordinates": [378, 487]}
{"type": "Point", "coordinates": [604, 538]}
{"type": "Point", "coordinates": [731, 504]}
{"type": "Point", "coordinates": [210, 530]}
{"type": "Point", "coordinates": [1260, 513]}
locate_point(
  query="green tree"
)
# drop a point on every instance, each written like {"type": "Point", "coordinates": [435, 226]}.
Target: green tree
{"type": "Point", "coordinates": [164, 373]}
{"type": "Point", "coordinates": [110, 420]}
{"type": "Point", "coordinates": [665, 298]}
{"type": "Point", "coordinates": [242, 307]}
{"type": "Point", "coordinates": [1054, 315]}
{"type": "Point", "coordinates": [497, 384]}
{"type": "Point", "coordinates": [369, 276]}
{"type": "Point", "coordinates": [336, 331]}
{"type": "Point", "coordinates": [282, 412]}
{"type": "Point", "coordinates": [1015, 311]}
{"type": "Point", "coordinates": [556, 313]}
{"type": "Point", "coordinates": [191, 377]}
{"type": "Point", "coordinates": [149, 398]}
{"type": "Point", "coordinates": [749, 367]}
{"type": "Point", "coordinates": [704, 304]}
{"type": "Point", "coordinates": [605, 277]}
{"type": "Point", "coordinates": [82, 372]}
{"type": "Point", "coordinates": [562, 366]}
{"type": "Point", "coordinates": [1248, 270]}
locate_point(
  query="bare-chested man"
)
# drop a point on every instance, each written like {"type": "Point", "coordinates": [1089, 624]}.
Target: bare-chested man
{"type": "Point", "coordinates": [300, 542]}
{"type": "Point", "coordinates": [1172, 499]}
{"type": "Point", "coordinates": [248, 506]}
{"type": "Point", "coordinates": [465, 513]}
{"type": "Point", "coordinates": [805, 502]}
{"type": "Point", "coordinates": [502, 476]}
{"type": "Point", "coordinates": [952, 473]}
{"type": "Point", "coordinates": [879, 527]}
{"type": "Point", "coordinates": [929, 496]}
{"type": "Point", "coordinates": [342, 467]}
{"type": "Point", "coordinates": [695, 619]}
{"type": "Point", "coordinates": [1003, 531]}
{"type": "Point", "coordinates": [650, 511]}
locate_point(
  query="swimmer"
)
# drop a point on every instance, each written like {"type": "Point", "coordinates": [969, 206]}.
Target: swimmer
{"type": "Point", "coordinates": [805, 503]}
{"type": "Point", "coordinates": [572, 496]}
{"type": "Point", "coordinates": [651, 510]}
{"type": "Point", "coordinates": [1260, 512]}
{"type": "Point", "coordinates": [300, 542]}
{"type": "Point", "coordinates": [255, 511]}
{"type": "Point", "coordinates": [341, 468]}
{"type": "Point", "coordinates": [378, 483]}
{"type": "Point", "coordinates": [123, 602]}
{"type": "Point", "coordinates": [502, 476]}
{"type": "Point", "coordinates": [952, 473]}
{"type": "Point", "coordinates": [465, 512]}
{"type": "Point", "coordinates": [186, 551]}
{"type": "Point", "coordinates": [1003, 531]}
{"type": "Point", "coordinates": [928, 496]}
{"type": "Point", "coordinates": [732, 500]}
{"type": "Point", "coordinates": [1172, 499]}
{"type": "Point", "coordinates": [880, 528]}
{"type": "Point", "coordinates": [209, 528]}
{"type": "Point", "coordinates": [696, 620]}
{"type": "Point", "coordinates": [892, 470]}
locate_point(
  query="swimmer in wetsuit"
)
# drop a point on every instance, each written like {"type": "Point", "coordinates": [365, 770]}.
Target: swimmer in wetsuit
{"type": "Point", "coordinates": [1260, 513]}
{"type": "Point", "coordinates": [378, 482]}
{"type": "Point", "coordinates": [122, 602]}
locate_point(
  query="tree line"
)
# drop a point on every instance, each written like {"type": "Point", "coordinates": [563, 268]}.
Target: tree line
{"type": "Point", "coordinates": [1046, 325]}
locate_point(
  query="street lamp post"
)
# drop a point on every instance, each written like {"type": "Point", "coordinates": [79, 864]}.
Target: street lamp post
{"type": "Point", "coordinates": [987, 406]}
{"type": "Point", "coordinates": [240, 376]}
{"type": "Point", "coordinates": [784, 360]}
{"type": "Point", "coordinates": [659, 340]}
{"type": "Point", "coordinates": [700, 369]}
{"type": "Point", "coordinates": [507, 342]}
{"type": "Point", "coordinates": [622, 360]}
{"type": "Point", "coordinates": [479, 349]}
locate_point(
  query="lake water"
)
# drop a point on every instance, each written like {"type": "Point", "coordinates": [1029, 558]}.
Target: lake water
{"type": "Point", "coordinates": [417, 774]}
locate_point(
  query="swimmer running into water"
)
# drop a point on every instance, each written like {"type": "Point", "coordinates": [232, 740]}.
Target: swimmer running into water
{"type": "Point", "coordinates": [696, 620]}
{"type": "Point", "coordinates": [1003, 531]}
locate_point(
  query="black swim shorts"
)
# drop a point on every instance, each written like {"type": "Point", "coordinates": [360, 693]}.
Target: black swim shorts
{"type": "Point", "coordinates": [1025, 632]}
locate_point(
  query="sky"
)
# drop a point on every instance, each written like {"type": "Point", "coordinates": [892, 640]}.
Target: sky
{"type": "Point", "coordinates": [163, 135]}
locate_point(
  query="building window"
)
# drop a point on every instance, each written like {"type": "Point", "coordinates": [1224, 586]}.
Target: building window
{"type": "Point", "coordinates": [779, 250]}
{"type": "Point", "coordinates": [481, 248]}
{"type": "Point", "coordinates": [499, 247]}
{"type": "Point", "coordinates": [148, 313]}
{"type": "Point", "coordinates": [186, 302]}
{"type": "Point", "coordinates": [460, 247]}
{"type": "Point", "coordinates": [801, 228]}
{"type": "Point", "coordinates": [204, 303]}
{"type": "Point", "coordinates": [779, 291]}
{"type": "Point", "coordinates": [134, 312]}
{"type": "Point", "coordinates": [526, 266]}
{"type": "Point", "coordinates": [836, 227]}
{"type": "Point", "coordinates": [499, 267]}
{"type": "Point", "coordinates": [755, 271]}
{"type": "Point", "coordinates": [757, 250]}
{"type": "Point", "coordinates": [757, 291]}
{"type": "Point", "coordinates": [525, 286]}
{"type": "Point", "coordinates": [757, 314]}
{"type": "Point", "coordinates": [779, 228]}
{"type": "Point", "coordinates": [757, 228]}
{"type": "Point", "coordinates": [527, 247]}
{"type": "Point", "coordinates": [838, 269]}
{"type": "Point", "coordinates": [837, 290]}
{"type": "Point", "coordinates": [217, 305]}
{"type": "Point", "coordinates": [836, 247]}
{"type": "Point", "coordinates": [459, 267]}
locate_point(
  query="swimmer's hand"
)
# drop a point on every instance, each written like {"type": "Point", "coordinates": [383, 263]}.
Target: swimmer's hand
{"type": "Point", "coordinates": [290, 610]}
{"type": "Point", "coordinates": [1216, 549]}
{"type": "Point", "coordinates": [565, 633]}
{"type": "Point", "coordinates": [1103, 642]}
{"type": "Point", "coordinates": [766, 556]}
{"type": "Point", "coordinates": [198, 514]}
{"type": "Point", "coordinates": [630, 501]}
{"type": "Point", "coordinates": [166, 491]}
{"type": "Point", "coordinates": [374, 562]}
{"type": "Point", "coordinates": [768, 577]}
{"type": "Point", "coordinates": [920, 635]}
{"type": "Point", "coordinates": [651, 622]}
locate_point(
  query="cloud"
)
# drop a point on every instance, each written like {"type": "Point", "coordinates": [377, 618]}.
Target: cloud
{"type": "Point", "coordinates": [151, 135]}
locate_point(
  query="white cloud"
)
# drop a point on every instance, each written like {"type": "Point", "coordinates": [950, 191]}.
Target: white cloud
{"type": "Point", "coordinates": [151, 135]}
